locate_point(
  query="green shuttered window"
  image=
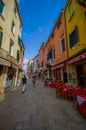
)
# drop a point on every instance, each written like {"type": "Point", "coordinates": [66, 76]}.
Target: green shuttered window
{"type": "Point", "coordinates": [70, 9]}
{"type": "Point", "coordinates": [1, 35]}
{"type": "Point", "coordinates": [73, 37]}
{"type": "Point", "coordinates": [1, 7]}
{"type": "Point", "coordinates": [18, 57]}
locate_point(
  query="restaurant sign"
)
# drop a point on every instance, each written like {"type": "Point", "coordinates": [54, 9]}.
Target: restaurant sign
{"type": "Point", "coordinates": [58, 66]}
{"type": "Point", "coordinates": [76, 59]}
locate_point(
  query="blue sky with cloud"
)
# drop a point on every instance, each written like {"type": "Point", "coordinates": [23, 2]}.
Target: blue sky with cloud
{"type": "Point", "coordinates": [38, 17]}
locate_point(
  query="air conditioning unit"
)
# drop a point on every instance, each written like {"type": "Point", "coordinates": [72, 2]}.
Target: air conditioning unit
{"type": "Point", "coordinates": [50, 61]}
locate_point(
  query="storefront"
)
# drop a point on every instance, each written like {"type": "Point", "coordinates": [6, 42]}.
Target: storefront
{"type": "Point", "coordinates": [60, 72]}
{"type": "Point", "coordinates": [77, 70]}
{"type": "Point", "coordinates": [4, 64]}
{"type": "Point", "coordinates": [11, 76]}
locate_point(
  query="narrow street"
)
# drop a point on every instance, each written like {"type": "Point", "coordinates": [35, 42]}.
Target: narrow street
{"type": "Point", "coordinates": [38, 109]}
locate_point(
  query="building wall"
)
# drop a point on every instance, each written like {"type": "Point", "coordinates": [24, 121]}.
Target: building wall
{"type": "Point", "coordinates": [60, 33]}
{"type": "Point", "coordinates": [45, 56]}
{"type": "Point", "coordinates": [78, 18]}
{"type": "Point", "coordinates": [29, 68]}
{"type": "Point", "coordinates": [9, 61]}
{"type": "Point", "coordinates": [6, 23]}
{"type": "Point", "coordinates": [40, 57]}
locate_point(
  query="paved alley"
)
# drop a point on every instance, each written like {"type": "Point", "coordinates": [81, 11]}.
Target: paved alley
{"type": "Point", "coordinates": [38, 109]}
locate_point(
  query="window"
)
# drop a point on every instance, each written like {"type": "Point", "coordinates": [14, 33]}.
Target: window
{"type": "Point", "coordinates": [23, 52]}
{"type": "Point", "coordinates": [18, 57]}
{"type": "Point", "coordinates": [11, 48]}
{"type": "Point", "coordinates": [70, 9]}
{"type": "Point", "coordinates": [1, 35]}
{"type": "Point", "coordinates": [73, 37]}
{"type": "Point", "coordinates": [19, 40]}
{"type": "Point", "coordinates": [13, 27]}
{"type": "Point", "coordinates": [21, 47]}
{"type": "Point", "coordinates": [52, 35]}
{"type": "Point", "coordinates": [53, 53]}
{"type": "Point", "coordinates": [85, 14]}
{"type": "Point", "coordinates": [81, 3]}
{"type": "Point", "coordinates": [15, 11]}
{"type": "Point", "coordinates": [1, 7]}
{"type": "Point", "coordinates": [58, 24]}
{"type": "Point", "coordinates": [49, 41]}
{"type": "Point", "coordinates": [62, 44]}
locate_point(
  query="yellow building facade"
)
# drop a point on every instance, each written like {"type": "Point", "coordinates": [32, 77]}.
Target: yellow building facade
{"type": "Point", "coordinates": [75, 15]}
{"type": "Point", "coordinates": [10, 35]}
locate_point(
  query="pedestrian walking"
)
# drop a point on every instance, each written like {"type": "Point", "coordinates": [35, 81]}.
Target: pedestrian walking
{"type": "Point", "coordinates": [34, 80]}
{"type": "Point", "coordinates": [24, 80]}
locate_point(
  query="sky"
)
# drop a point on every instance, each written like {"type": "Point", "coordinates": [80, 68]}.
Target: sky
{"type": "Point", "coordinates": [38, 18]}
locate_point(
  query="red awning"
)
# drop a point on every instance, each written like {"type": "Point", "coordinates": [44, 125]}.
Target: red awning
{"type": "Point", "coordinates": [58, 66]}
{"type": "Point", "coordinates": [76, 59]}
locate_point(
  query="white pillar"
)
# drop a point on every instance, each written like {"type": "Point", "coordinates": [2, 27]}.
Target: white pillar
{"type": "Point", "coordinates": [16, 77]}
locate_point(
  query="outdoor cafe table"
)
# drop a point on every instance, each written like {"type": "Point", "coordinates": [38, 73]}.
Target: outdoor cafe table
{"type": "Point", "coordinates": [67, 89]}
{"type": "Point", "coordinates": [52, 84]}
{"type": "Point", "coordinates": [81, 103]}
{"type": "Point", "coordinates": [70, 91]}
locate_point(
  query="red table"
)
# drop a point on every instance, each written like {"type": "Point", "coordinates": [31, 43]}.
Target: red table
{"type": "Point", "coordinates": [52, 84]}
{"type": "Point", "coordinates": [67, 89]}
{"type": "Point", "coordinates": [81, 103]}
{"type": "Point", "coordinates": [70, 91]}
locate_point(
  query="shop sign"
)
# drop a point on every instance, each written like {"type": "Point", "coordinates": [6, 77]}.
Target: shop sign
{"type": "Point", "coordinates": [4, 62]}
{"type": "Point", "coordinates": [76, 59]}
{"type": "Point", "coordinates": [58, 66]}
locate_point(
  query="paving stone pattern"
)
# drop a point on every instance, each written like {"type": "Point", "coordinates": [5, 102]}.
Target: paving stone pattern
{"type": "Point", "coordinates": [38, 109]}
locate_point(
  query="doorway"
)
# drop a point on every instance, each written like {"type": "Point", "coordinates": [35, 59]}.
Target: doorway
{"type": "Point", "coordinates": [80, 76]}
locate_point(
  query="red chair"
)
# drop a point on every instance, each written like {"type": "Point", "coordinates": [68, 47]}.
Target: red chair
{"type": "Point", "coordinates": [84, 91]}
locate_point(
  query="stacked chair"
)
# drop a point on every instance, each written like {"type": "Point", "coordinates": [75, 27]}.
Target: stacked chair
{"type": "Point", "coordinates": [60, 88]}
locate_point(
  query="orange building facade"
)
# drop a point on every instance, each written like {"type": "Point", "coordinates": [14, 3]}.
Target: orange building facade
{"type": "Point", "coordinates": [56, 50]}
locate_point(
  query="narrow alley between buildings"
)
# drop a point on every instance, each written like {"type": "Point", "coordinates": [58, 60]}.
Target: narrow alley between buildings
{"type": "Point", "coordinates": [38, 109]}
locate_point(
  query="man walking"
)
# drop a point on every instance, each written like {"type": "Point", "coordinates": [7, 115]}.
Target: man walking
{"type": "Point", "coordinates": [24, 79]}
{"type": "Point", "coordinates": [34, 80]}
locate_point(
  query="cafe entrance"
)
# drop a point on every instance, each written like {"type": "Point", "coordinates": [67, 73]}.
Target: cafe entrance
{"type": "Point", "coordinates": [81, 75]}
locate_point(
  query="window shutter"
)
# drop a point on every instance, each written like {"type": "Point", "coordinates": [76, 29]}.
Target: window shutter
{"type": "Point", "coordinates": [63, 44]}
{"type": "Point", "coordinates": [53, 53]}
{"type": "Point", "coordinates": [15, 10]}
{"type": "Point", "coordinates": [19, 40]}
{"type": "Point", "coordinates": [18, 56]}
{"type": "Point", "coordinates": [76, 34]}
{"type": "Point", "coordinates": [1, 35]}
{"type": "Point", "coordinates": [1, 7]}
{"type": "Point", "coordinates": [70, 41]}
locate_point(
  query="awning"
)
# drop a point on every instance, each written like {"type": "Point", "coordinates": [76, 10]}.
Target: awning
{"type": "Point", "coordinates": [76, 59]}
{"type": "Point", "coordinates": [4, 62]}
{"type": "Point", "coordinates": [58, 66]}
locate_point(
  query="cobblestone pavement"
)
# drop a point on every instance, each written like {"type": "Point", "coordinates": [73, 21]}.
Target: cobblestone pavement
{"type": "Point", "coordinates": [38, 109]}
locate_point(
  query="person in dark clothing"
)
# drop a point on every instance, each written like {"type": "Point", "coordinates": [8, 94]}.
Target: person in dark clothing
{"type": "Point", "coordinates": [24, 79]}
{"type": "Point", "coordinates": [34, 80]}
